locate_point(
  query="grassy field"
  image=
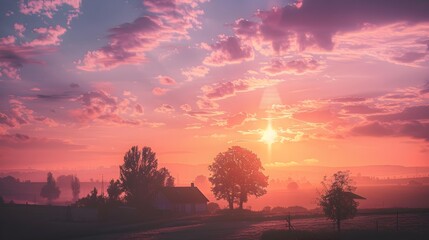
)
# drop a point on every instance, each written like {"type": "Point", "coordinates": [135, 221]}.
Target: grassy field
{"type": "Point", "coordinates": [25, 224]}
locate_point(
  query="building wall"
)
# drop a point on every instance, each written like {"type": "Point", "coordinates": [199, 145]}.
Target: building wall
{"type": "Point", "coordinates": [201, 208]}
{"type": "Point", "coordinates": [162, 203]}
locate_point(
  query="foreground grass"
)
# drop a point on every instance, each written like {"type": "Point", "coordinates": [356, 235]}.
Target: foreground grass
{"type": "Point", "coordinates": [345, 235]}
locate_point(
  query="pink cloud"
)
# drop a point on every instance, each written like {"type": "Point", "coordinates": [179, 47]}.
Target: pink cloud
{"type": "Point", "coordinates": [46, 8]}
{"type": "Point", "coordinates": [410, 57]}
{"type": "Point", "coordinates": [361, 109]}
{"type": "Point", "coordinates": [413, 113]}
{"type": "Point", "coordinates": [425, 89]}
{"type": "Point", "coordinates": [298, 66]}
{"type": "Point", "coordinates": [47, 36]}
{"type": "Point", "coordinates": [348, 99]}
{"type": "Point", "coordinates": [205, 103]}
{"type": "Point", "coordinates": [9, 40]}
{"type": "Point", "coordinates": [204, 115]}
{"type": "Point", "coordinates": [316, 116]}
{"type": "Point", "coordinates": [400, 96]}
{"type": "Point", "coordinates": [166, 80]}
{"type": "Point", "coordinates": [195, 72]}
{"type": "Point", "coordinates": [311, 24]}
{"type": "Point", "coordinates": [236, 119]}
{"type": "Point", "coordinates": [245, 28]}
{"type": "Point", "coordinates": [21, 141]}
{"type": "Point", "coordinates": [372, 129]}
{"type": "Point", "coordinates": [228, 50]}
{"type": "Point", "coordinates": [412, 129]}
{"type": "Point", "coordinates": [13, 57]}
{"type": "Point", "coordinates": [19, 114]}
{"type": "Point", "coordinates": [227, 89]}
{"type": "Point", "coordinates": [165, 108]}
{"type": "Point", "coordinates": [186, 107]}
{"type": "Point", "coordinates": [101, 106]}
{"type": "Point", "coordinates": [139, 109]}
{"type": "Point", "coordinates": [19, 28]}
{"type": "Point", "coordinates": [159, 91]}
{"type": "Point", "coordinates": [129, 42]}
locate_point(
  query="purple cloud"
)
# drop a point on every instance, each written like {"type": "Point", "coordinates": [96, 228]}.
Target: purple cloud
{"type": "Point", "coordinates": [297, 66]}
{"type": "Point", "coordinates": [227, 89]}
{"type": "Point", "coordinates": [408, 114]}
{"type": "Point", "coordinates": [361, 109]}
{"type": "Point", "coordinates": [315, 23]}
{"type": "Point", "coordinates": [165, 108]}
{"type": "Point", "coordinates": [129, 42]}
{"type": "Point", "coordinates": [228, 50]}
{"type": "Point", "coordinates": [101, 106]}
{"type": "Point", "coordinates": [413, 129]}
{"type": "Point", "coordinates": [13, 57]}
{"type": "Point", "coordinates": [22, 141]}
{"type": "Point", "coordinates": [410, 57]}
{"type": "Point", "coordinates": [348, 99]}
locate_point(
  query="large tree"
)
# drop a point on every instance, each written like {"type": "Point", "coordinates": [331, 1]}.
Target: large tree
{"type": "Point", "coordinates": [50, 190]}
{"type": "Point", "coordinates": [236, 174]}
{"type": "Point", "coordinates": [140, 177]}
{"type": "Point", "coordinates": [75, 187]}
{"type": "Point", "coordinates": [337, 198]}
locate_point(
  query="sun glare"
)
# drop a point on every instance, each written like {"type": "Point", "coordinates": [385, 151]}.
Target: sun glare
{"type": "Point", "coordinates": [269, 136]}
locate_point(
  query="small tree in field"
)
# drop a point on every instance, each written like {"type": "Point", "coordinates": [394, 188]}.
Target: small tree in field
{"type": "Point", "coordinates": [337, 199]}
{"type": "Point", "coordinates": [50, 191]}
{"type": "Point", "coordinates": [75, 186]}
{"type": "Point", "coordinates": [236, 174]}
{"type": "Point", "coordinates": [92, 200]}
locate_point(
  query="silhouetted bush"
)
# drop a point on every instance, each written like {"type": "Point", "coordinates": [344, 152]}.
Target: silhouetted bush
{"type": "Point", "coordinates": [213, 207]}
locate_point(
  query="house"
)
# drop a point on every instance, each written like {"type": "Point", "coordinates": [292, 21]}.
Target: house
{"type": "Point", "coordinates": [185, 200]}
{"type": "Point", "coordinates": [353, 196]}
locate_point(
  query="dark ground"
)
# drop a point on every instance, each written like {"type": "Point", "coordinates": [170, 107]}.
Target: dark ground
{"type": "Point", "coordinates": [413, 224]}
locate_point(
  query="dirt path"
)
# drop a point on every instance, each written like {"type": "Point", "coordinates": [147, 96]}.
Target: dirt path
{"type": "Point", "coordinates": [208, 230]}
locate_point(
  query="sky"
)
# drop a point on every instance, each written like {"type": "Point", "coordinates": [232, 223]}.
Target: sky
{"type": "Point", "coordinates": [332, 83]}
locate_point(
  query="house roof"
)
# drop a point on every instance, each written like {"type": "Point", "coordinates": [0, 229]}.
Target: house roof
{"type": "Point", "coordinates": [184, 195]}
{"type": "Point", "coordinates": [353, 195]}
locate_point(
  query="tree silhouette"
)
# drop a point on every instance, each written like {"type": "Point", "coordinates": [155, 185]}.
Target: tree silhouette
{"type": "Point", "coordinates": [169, 182]}
{"type": "Point", "coordinates": [114, 191]}
{"type": "Point", "coordinates": [140, 177]}
{"type": "Point", "coordinates": [236, 174]}
{"type": "Point", "coordinates": [50, 191]}
{"type": "Point", "coordinates": [337, 199]}
{"type": "Point", "coordinates": [75, 187]}
{"type": "Point", "coordinates": [91, 200]}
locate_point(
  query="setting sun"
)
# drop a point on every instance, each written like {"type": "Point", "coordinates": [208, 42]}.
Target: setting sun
{"type": "Point", "coordinates": [269, 136]}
